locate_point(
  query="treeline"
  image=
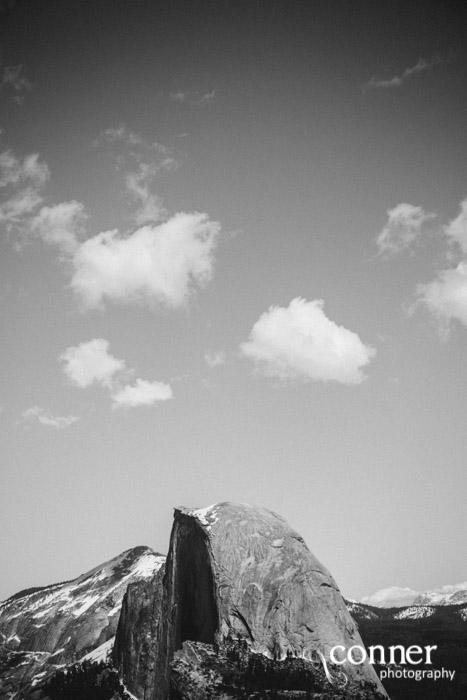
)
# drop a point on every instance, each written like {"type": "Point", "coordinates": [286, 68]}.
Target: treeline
{"type": "Point", "coordinates": [86, 681]}
{"type": "Point", "coordinates": [446, 630]}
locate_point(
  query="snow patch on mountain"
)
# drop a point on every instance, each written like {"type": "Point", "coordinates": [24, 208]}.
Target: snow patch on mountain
{"type": "Point", "coordinates": [207, 516]}
{"type": "Point", "coordinates": [446, 595]}
{"type": "Point", "coordinates": [43, 629]}
{"type": "Point", "coordinates": [415, 612]}
{"type": "Point", "coordinates": [355, 608]}
{"type": "Point", "coordinates": [101, 653]}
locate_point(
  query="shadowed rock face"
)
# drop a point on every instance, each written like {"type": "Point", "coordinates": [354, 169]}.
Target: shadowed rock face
{"type": "Point", "coordinates": [240, 572]}
{"type": "Point", "coordinates": [135, 647]}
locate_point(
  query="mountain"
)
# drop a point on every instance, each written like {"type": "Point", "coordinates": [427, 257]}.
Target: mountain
{"type": "Point", "coordinates": [447, 595]}
{"type": "Point", "coordinates": [444, 626]}
{"type": "Point", "coordinates": [395, 597]}
{"type": "Point", "coordinates": [241, 585]}
{"type": "Point", "coordinates": [42, 629]}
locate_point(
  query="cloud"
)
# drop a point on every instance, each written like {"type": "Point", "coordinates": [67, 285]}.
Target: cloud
{"type": "Point", "coordinates": [140, 164]}
{"type": "Point", "coordinates": [446, 297]}
{"type": "Point", "coordinates": [162, 263]}
{"type": "Point", "coordinates": [121, 133]}
{"type": "Point", "coordinates": [45, 418]}
{"type": "Point", "coordinates": [192, 97]}
{"type": "Point", "coordinates": [61, 225]}
{"type": "Point", "coordinates": [301, 343]}
{"type": "Point", "coordinates": [215, 359]}
{"type": "Point", "coordinates": [398, 80]}
{"type": "Point", "coordinates": [391, 597]}
{"type": "Point", "coordinates": [456, 230]}
{"type": "Point", "coordinates": [13, 80]}
{"type": "Point", "coordinates": [90, 363]}
{"type": "Point", "coordinates": [138, 185]}
{"type": "Point", "coordinates": [403, 227]}
{"type": "Point", "coordinates": [13, 170]}
{"type": "Point", "coordinates": [142, 393]}
{"type": "Point", "coordinates": [22, 183]}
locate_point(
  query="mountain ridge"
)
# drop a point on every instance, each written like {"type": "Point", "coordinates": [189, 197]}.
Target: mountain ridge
{"type": "Point", "coordinates": [45, 628]}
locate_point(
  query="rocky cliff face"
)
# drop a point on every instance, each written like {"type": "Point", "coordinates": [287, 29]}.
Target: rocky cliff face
{"type": "Point", "coordinates": [235, 572]}
{"type": "Point", "coordinates": [60, 624]}
{"type": "Point", "coordinates": [135, 648]}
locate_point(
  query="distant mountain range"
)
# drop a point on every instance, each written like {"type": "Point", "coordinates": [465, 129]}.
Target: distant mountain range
{"type": "Point", "coordinates": [396, 597]}
{"type": "Point", "coordinates": [441, 624]}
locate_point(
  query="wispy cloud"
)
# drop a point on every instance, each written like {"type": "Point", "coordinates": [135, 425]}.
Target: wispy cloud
{"type": "Point", "coordinates": [301, 343]}
{"type": "Point", "coordinates": [192, 97]}
{"type": "Point", "coordinates": [398, 80]}
{"type": "Point", "coordinates": [22, 182]}
{"type": "Point", "coordinates": [215, 359]}
{"type": "Point", "coordinates": [140, 163]}
{"type": "Point", "coordinates": [403, 228]}
{"type": "Point", "coordinates": [456, 230]}
{"type": "Point", "coordinates": [40, 415]}
{"type": "Point", "coordinates": [91, 363]}
{"type": "Point", "coordinates": [61, 225]}
{"type": "Point", "coordinates": [14, 81]}
{"type": "Point", "coordinates": [13, 170]}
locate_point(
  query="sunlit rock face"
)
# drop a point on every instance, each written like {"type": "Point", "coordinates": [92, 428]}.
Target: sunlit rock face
{"type": "Point", "coordinates": [43, 629]}
{"type": "Point", "coordinates": [240, 572]}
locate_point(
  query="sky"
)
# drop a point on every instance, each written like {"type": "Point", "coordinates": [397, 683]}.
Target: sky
{"type": "Point", "coordinates": [233, 267]}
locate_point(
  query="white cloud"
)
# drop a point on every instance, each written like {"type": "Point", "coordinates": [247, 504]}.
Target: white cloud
{"type": "Point", "coordinates": [301, 343]}
{"type": "Point", "coordinates": [457, 228]}
{"type": "Point", "coordinates": [398, 80]}
{"type": "Point", "coordinates": [214, 359]}
{"type": "Point", "coordinates": [60, 225]}
{"type": "Point", "coordinates": [162, 263]}
{"type": "Point", "coordinates": [403, 227]}
{"type": "Point", "coordinates": [446, 297]}
{"type": "Point", "coordinates": [46, 418]}
{"type": "Point", "coordinates": [391, 597]}
{"type": "Point", "coordinates": [192, 97]}
{"type": "Point", "coordinates": [90, 363]}
{"type": "Point", "coordinates": [142, 393]}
